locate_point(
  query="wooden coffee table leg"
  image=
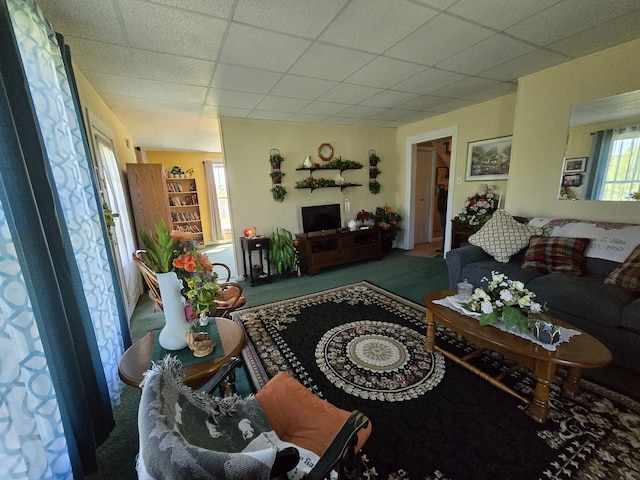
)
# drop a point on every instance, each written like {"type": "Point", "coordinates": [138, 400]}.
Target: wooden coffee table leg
{"type": "Point", "coordinates": [571, 384]}
{"type": "Point", "coordinates": [539, 407]}
{"type": "Point", "coordinates": [431, 332]}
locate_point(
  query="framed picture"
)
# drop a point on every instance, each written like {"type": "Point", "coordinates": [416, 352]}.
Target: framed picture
{"type": "Point", "coordinates": [574, 165]}
{"type": "Point", "coordinates": [442, 176]}
{"type": "Point", "coordinates": [489, 159]}
{"type": "Point", "coordinates": [572, 180]}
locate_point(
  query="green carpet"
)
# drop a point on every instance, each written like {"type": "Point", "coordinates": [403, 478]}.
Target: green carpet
{"type": "Point", "coordinates": [408, 276]}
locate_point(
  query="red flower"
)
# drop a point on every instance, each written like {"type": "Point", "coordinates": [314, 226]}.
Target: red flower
{"type": "Point", "coordinates": [186, 262]}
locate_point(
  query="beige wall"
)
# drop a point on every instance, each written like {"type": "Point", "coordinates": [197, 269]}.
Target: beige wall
{"type": "Point", "coordinates": [246, 146]}
{"type": "Point", "coordinates": [540, 132]}
{"type": "Point", "coordinates": [188, 160]}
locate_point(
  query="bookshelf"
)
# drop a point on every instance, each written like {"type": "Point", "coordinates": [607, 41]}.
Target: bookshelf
{"type": "Point", "coordinates": [154, 196]}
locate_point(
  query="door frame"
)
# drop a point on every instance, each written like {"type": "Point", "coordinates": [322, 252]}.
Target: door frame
{"type": "Point", "coordinates": [411, 151]}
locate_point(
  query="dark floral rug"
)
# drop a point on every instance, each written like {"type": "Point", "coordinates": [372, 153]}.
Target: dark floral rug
{"type": "Point", "coordinates": [361, 347]}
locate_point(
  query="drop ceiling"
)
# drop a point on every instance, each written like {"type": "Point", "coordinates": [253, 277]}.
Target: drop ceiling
{"type": "Point", "coordinates": [169, 69]}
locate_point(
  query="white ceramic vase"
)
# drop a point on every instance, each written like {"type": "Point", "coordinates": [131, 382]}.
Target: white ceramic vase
{"type": "Point", "coordinates": [172, 335]}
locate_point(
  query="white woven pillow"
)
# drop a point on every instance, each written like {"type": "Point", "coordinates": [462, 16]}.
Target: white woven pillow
{"type": "Point", "coordinates": [502, 236]}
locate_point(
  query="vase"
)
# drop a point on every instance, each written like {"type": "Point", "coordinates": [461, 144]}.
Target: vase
{"type": "Point", "coordinates": [172, 334]}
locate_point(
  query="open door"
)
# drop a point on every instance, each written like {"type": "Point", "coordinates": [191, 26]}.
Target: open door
{"type": "Point", "coordinates": [120, 235]}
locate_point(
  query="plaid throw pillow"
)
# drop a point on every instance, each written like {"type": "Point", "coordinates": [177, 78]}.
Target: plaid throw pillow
{"type": "Point", "coordinates": [556, 254]}
{"type": "Point", "coordinates": [503, 235]}
{"type": "Point", "coordinates": [627, 275]}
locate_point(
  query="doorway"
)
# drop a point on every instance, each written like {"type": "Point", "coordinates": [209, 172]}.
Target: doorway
{"type": "Point", "coordinates": [112, 197]}
{"type": "Point", "coordinates": [427, 171]}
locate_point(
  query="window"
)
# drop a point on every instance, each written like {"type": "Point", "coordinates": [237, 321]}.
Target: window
{"type": "Point", "coordinates": [616, 173]}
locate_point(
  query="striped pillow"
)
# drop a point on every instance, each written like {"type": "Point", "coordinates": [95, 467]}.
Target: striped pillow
{"type": "Point", "coordinates": [556, 254]}
{"type": "Point", "coordinates": [627, 275]}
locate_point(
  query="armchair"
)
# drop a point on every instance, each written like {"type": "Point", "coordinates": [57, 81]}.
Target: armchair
{"type": "Point", "coordinates": [188, 434]}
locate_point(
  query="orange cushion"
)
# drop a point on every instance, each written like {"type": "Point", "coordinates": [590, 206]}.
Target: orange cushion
{"type": "Point", "coordinates": [302, 418]}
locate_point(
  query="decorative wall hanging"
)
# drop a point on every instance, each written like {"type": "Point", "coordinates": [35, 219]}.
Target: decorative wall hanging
{"type": "Point", "coordinates": [489, 159]}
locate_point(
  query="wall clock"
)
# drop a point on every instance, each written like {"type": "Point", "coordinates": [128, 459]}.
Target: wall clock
{"type": "Point", "coordinates": [325, 151]}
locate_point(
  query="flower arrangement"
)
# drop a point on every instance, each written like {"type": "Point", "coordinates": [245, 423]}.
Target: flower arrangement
{"type": "Point", "coordinates": [178, 251]}
{"type": "Point", "coordinates": [478, 208]}
{"type": "Point", "coordinates": [387, 220]}
{"type": "Point", "coordinates": [362, 216]}
{"type": "Point", "coordinates": [504, 299]}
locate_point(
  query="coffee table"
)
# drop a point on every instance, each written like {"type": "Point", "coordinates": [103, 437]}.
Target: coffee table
{"type": "Point", "coordinates": [137, 359]}
{"type": "Point", "coordinates": [581, 351]}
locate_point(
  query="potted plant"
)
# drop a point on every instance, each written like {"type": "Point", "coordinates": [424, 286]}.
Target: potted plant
{"type": "Point", "coordinates": [275, 159]}
{"type": "Point", "coordinates": [278, 192]}
{"type": "Point", "coordinates": [374, 172]}
{"type": "Point", "coordinates": [276, 176]}
{"type": "Point", "coordinates": [388, 221]}
{"type": "Point", "coordinates": [373, 158]}
{"type": "Point", "coordinates": [281, 252]}
{"type": "Point", "coordinates": [374, 187]}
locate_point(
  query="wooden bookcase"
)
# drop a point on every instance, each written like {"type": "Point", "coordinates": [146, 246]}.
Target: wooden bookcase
{"type": "Point", "coordinates": [325, 249]}
{"type": "Point", "coordinates": [153, 196]}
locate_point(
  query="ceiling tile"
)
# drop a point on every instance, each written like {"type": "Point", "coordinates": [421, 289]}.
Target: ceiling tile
{"type": "Point", "coordinates": [105, 83]}
{"type": "Point", "coordinates": [102, 57]}
{"type": "Point", "coordinates": [329, 62]}
{"type": "Point", "coordinates": [280, 104]}
{"type": "Point", "coordinates": [266, 115]}
{"type": "Point", "coordinates": [173, 91]}
{"type": "Point", "coordinates": [376, 25]}
{"type": "Point", "coordinates": [384, 72]}
{"type": "Point", "coordinates": [360, 111]}
{"type": "Point", "coordinates": [568, 17]}
{"type": "Point", "coordinates": [499, 90]}
{"type": "Point", "coordinates": [302, 18]}
{"type": "Point", "coordinates": [216, 8]}
{"type": "Point", "coordinates": [164, 29]}
{"type": "Point", "coordinates": [301, 87]}
{"type": "Point", "coordinates": [498, 14]}
{"type": "Point", "coordinates": [324, 108]}
{"type": "Point", "coordinates": [440, 38]}
{"type": "Point", "coordinates": [230, 98]}
{"type": "Point", "coordinates": [389, 99]}
{"type": "Point", "coordinates": [172, 68]}
{"type": "Point", "coordinates": [428, 81]}
{"type": "Point", "coordinates": [619, 30]}
{"type": "Point", "coordinates": [465, 87]}
{"type": "Point", "coordinates": [88, 20]}
{"type": "Point", "coordinates": [485, 54]}
{"type": "Point", "coordinates": [305, 117]}
{"type": "Point", "coordinates": [253, 47]}
{"type": "Point", "coordinates": [524, 65]}
{"type": "Point", "coordinates": [349, 93]}
{"type": "Point", "coordinates": [231, 77]}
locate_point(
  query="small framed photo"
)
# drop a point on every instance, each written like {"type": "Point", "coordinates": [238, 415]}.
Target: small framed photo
{"type": "Point", "coordinates": [572, 180]}
{"type": "Point", "coordinates": [574, 165]}
{"type": "Point", "coordinates": [489, 159]}
{"type": "Point", "coordinates": [442, 176]}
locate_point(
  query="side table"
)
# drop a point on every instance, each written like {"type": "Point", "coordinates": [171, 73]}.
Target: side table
{"type": "Point", "coordinates": [460, 232]}
{"type": "Point", "coordinates": [252, 272]}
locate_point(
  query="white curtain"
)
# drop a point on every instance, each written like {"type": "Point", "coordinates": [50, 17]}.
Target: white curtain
{"type": "Point", "coordinates": [216, 227]}
{"type": "Point", "coordinates": [61, 333]}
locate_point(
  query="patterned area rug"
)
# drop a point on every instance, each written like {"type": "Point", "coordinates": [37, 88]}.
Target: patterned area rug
{"type": "Point", "coordinates": [428, 250]}
{"type": "Point", "coordinates": [361, 347]}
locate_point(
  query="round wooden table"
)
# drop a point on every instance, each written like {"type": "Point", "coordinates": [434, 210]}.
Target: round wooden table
{"type": "Point", "coordinates": [137, 359]}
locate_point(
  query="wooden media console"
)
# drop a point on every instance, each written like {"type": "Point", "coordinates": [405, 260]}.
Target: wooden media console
{"type": "Point", "coordinates": [334, 247]}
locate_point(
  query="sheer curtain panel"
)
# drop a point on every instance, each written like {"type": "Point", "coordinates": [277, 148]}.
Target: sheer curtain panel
{"type": "Point", "coordinates": [62, 324]}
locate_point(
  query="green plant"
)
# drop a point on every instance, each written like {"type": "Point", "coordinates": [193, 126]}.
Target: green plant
{"type": "Point", "coordinates": [340, 164]}
{"type": "Point", "coordinates": [374, 187]}
{"type": "Point", "coordinates": [387, 220]}
{"type": "Point", "coordinates": [275, 158]}
{"type": "Point", "coordinates": [277, 174]}
{"type": "Point", "coordinates": [161, 249]}
{"type": "Point", "coordinates": [279, 192]}
{"type": "Point", "coordinates": [176, 170]}
{"type": "Point", "coordinates": [373, 159]}
{"type": "Point", "coordinates": [374, 172]}
{"type": "Point", "coordinates": [281, 252]}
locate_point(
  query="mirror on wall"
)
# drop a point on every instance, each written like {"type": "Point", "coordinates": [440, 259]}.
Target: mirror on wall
{"type": "Point", "coordinates": [602, 155]}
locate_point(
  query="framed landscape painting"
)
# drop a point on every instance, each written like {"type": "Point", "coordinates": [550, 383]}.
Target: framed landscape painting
{"type": "Point", "coordinates": [489, 159]}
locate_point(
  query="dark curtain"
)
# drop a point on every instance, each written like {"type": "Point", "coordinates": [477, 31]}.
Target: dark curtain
{"type": "Point", "coordinates": [46, 256]}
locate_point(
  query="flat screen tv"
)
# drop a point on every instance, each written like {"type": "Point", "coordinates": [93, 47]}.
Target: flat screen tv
{"type": "Point", "coordinates": [321, 217]}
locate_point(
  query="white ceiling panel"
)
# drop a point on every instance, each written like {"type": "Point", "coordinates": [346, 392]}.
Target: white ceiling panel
{"type": "Point", "coordinates": [170, 68]}
{"type": "Point", "coordinates": [376, 25]}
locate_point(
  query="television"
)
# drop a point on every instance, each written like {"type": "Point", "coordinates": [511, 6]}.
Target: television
{"type": "Point", "coordinates": [321, 217]}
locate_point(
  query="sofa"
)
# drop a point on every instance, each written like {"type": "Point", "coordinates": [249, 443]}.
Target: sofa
{"type": "Point", "coordinates": [587, 273]}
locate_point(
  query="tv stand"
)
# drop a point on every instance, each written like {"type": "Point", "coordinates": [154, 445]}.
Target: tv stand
{"type": "Point", "coordinates": [334, 247]}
